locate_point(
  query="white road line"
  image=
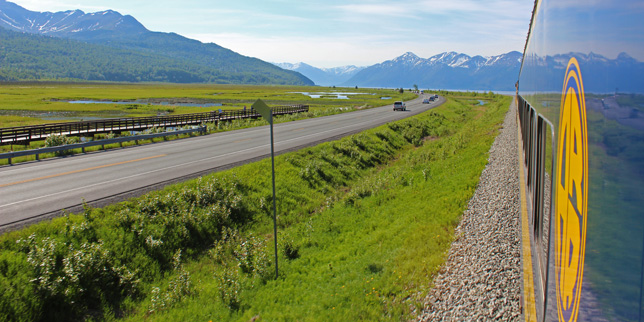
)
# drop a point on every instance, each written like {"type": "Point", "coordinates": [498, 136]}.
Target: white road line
{"type": "Point", "coordinates": [184, 164]}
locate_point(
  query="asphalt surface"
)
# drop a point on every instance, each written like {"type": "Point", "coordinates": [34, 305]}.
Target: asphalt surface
{"type": "Point", "coordinates": [43, 189]}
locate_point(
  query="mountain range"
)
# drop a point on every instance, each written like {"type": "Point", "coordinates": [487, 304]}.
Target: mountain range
{"type": "Point", "coordinates": [449, 70]}
{"type": "Point", "coordinates": [183, 59]}
{"type": "Point", "coordinates": [323, 76]}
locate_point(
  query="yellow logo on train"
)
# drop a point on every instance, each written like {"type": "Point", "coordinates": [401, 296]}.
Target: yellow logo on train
{"type": "Point", "coordinates": [572, 195]}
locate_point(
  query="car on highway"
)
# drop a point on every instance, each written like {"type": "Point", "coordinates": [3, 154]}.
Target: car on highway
{"type": "Point", "coordinates": [426, 101]}
{"type": "Point", "coordinates": [400, 106]}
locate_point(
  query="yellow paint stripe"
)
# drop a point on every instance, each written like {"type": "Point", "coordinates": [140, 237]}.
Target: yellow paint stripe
{"type": "Point", "coordinates": [81, 170]}
{"type": "Point", "coordinates": [300, 129]}
{"type": "Point", "coordinates": [529, 306]}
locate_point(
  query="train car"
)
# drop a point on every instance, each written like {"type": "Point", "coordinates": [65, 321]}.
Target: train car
{"type": "Point", "coordinates": [580, 105]}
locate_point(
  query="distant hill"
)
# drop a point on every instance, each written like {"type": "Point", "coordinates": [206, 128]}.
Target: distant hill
{"type": "Point", "coordinates": [448, 70]}
{"type": "Point", "coordinates": [125, 33]}
{"type": "Point", "coordinates": [35, 57]}
{"type": "Point", "coordinates": [323, 76]}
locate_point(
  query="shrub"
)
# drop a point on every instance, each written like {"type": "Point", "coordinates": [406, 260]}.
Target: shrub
{"type": "Point", "coordinates": [229, 287]}
{"type": "Point", "coordinates": [179, 287]}
{"type": "Point", "coordinates": [291, 251]}
{"type": "Point", "coordinates": [69, 279]}
{"type": "Point", "coordinates": [60, 140]}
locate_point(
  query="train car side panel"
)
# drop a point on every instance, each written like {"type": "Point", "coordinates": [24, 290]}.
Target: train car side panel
{"type": "Point", "coordinates": [581, 107]}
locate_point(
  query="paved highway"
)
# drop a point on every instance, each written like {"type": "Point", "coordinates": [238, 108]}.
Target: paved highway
{"type": "Point", "coordinates": [42, 189]}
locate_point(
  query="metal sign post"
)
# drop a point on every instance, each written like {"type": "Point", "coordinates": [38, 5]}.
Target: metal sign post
{"type": "Point", "coordinates": [267, 113]}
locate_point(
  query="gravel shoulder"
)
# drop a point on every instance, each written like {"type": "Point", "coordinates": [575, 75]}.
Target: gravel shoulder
{"type": "Point", "coordinates": [481, 279]}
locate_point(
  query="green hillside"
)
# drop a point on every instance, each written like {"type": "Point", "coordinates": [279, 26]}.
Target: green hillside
{"type": "Point", "coordinates": [34, 57]}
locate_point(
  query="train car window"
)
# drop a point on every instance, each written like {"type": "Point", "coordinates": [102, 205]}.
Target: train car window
{"type": "Point", "coordinates": [524, 130]}
{"type": "Point", "coordinates": [526, 133]}
{"type": "Point", "coordinates": [542, 194]}
{"type": "Point", "coordinates": [537, 134]}
{"type": "Point", "coordinates": [538, 173]}
{"type": "Point", "coordinates": [525, 112]}
{"type": "Point", "coordinates": [531, 149]}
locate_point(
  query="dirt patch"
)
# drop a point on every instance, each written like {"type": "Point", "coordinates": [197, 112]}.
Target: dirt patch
{"type": "Point", "coordinates": [480, 109]}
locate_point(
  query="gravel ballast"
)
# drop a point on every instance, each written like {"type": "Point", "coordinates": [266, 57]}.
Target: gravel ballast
{"type": "Point", "coordinates": [481, 279]}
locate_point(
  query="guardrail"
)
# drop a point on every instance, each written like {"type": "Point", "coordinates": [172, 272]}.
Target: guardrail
{"type": "Point", "coordinates": [26, 134]}
{"type": "Point", "coordinates": [54, 149]}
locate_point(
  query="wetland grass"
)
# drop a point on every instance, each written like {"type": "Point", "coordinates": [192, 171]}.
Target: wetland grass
{"type": "Point", "coordinates": [23, 104]}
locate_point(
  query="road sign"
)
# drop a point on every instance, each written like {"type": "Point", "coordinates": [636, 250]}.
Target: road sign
{"type": "Point", "coordinates": [267, 113]}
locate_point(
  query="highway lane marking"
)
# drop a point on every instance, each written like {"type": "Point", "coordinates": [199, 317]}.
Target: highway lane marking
{"type": "Point", "coordinates": [178, 165]}
{"type": "Point", "coordinates": [143, 148]}
{"type": "Point", "coordinates": [189, 163]}
{"type": "Point", "coordinates": [80, 170]}
{"type": "Point", "coordinates": [243, 140]}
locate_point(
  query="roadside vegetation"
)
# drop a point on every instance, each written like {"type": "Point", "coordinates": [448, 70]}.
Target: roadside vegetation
{"type": "Point", "coordinates": [363, 224]}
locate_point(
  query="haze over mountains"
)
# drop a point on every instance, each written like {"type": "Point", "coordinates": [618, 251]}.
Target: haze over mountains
{"type": "Point", "coordinates": [323, 76]}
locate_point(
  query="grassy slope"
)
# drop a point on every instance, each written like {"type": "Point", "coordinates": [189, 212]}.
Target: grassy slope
{"type": "Point", "coordinates": [364, 223]}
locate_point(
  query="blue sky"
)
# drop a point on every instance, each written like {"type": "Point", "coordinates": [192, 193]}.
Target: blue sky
{"type": "Point", "coordinates": [329, 33]}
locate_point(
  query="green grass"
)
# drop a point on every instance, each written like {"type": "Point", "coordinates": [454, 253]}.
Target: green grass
{"type": "Point", "coordinates": [364, 223]}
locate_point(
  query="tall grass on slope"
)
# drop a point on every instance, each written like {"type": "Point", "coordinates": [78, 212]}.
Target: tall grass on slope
{"type": "Point", "coordinates": [363, 223]}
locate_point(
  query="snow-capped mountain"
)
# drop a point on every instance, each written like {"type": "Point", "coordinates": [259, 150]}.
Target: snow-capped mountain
{"type": "Point", "coordinates": [61, 24]}
{"type": "Point", "coordinates": [454, 60]}
{"type": "Point", "coordinates": [449, 70]}
{"type": "Point", "coordinates": [323, 76]}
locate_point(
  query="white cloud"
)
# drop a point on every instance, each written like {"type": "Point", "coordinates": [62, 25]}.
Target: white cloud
{"type": "Point", "coordinates": [375, 9]}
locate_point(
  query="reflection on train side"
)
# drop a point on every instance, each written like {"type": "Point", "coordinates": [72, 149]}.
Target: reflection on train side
{"type": "Point", "coordinates": [613, 281]}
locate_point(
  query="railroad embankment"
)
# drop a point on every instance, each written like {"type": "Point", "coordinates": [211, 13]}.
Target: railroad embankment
{"type": "Point", "coordinates": [481, 279]}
